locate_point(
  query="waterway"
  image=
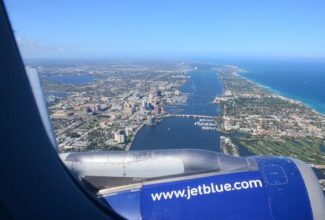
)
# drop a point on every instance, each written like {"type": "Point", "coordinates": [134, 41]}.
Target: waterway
{"type": "Point", "coordinates": [74, 79]}
{"type": "Point", "coordinates": [181, 133]}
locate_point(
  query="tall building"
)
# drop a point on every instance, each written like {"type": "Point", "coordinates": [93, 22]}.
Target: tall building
{"type": "Point", "coordinates": [128, 109]}
{"type": "Point", "coordinates": [119, 136]}
{"type": "Point", "coordinates": [128, 131]}
{"type": "Point", "coordinates": [151, 120]}
{"type": "Point", "coordinates": [150, 98]}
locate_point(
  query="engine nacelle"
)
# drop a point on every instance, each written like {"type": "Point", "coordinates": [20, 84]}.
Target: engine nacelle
{"type": "Point", "coordinates": [196, 184]}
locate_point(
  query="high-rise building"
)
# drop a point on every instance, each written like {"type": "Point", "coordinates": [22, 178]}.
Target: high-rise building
{"type": "Point", "coordinates": [128, 131]}
{"type": "Point", "coordinates": [128, 109]}
{"type": "Point", "coordinates": [119, 136]}
{"type": "Point", "coordinates": [151, 120]}
{"type": "Point", "coordinates": [150, 98]}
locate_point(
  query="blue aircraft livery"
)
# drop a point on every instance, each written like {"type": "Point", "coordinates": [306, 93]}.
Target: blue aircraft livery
{"type": "Point", "coordinates": [275, 191]}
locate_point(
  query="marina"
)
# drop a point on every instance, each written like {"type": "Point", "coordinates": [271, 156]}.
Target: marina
{"type": "Point", "coordinates": [191, 125]}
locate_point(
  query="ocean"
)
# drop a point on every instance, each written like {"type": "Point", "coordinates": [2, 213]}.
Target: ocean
{"type": "Point", "coordinates": [303, 80]}
{"type": "Point", "coordinates": [296, 79]}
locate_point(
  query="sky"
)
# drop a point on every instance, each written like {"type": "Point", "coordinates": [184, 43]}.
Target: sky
{"type": "Point", "coordinates": [115, 28]}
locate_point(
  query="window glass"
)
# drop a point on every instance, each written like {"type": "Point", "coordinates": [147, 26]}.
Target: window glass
{"type": "Point", "coordinates": [143, 90]}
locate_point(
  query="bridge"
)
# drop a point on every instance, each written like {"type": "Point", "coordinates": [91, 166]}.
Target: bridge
{"type": "Point", "coordinates": [190, 116]}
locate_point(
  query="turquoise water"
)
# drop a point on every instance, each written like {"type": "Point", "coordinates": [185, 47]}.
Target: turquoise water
{"type": "Point", "coordinates": [303, 80]}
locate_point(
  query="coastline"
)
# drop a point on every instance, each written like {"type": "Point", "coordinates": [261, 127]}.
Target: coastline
{"type": "Point", "coordinates": [128, 146]}
{"type": "Point", "coordinates": [268, 123]}
{"type": "Point", "coordinates": [268, 91]}
{"type": "Point", "coordinates": [279, 94]}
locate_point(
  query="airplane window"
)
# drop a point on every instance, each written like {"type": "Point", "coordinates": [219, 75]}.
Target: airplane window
{"type": "Point", "coordinates": [136, 93]}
